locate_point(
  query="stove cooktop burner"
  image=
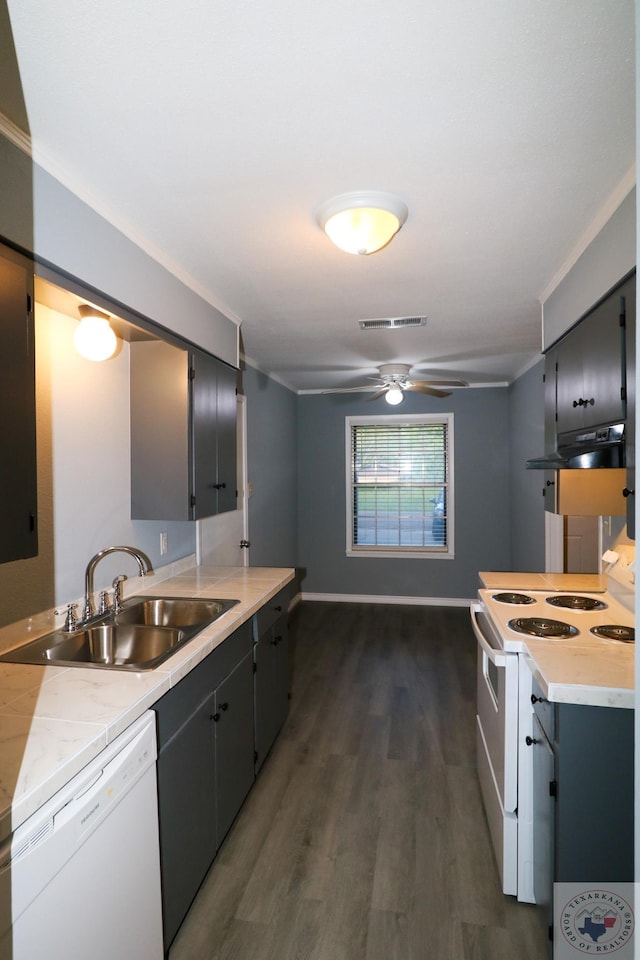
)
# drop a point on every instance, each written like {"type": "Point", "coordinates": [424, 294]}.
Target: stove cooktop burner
{"type": "Point", "coordinates": [513, 598]}
{"type": "Point", "coordinates": [541, 627]}
{"type": "Point", "coordinates": [571, 602]}
{"type": "Point", "coordinates": [614, 631]}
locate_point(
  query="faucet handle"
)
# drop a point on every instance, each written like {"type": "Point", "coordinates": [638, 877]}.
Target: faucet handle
{"type": "Point", "coordinates": [103, 604]}
{"type": "Point", "coordinates": [117, 596]}
{"type": "Point", "coordinates": [71, 620]}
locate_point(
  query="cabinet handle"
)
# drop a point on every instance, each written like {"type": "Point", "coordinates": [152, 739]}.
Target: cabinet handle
{"type": "Point", "coordinates": [535, 699]}
{"type": "Point", "coordinates": [577, 403]}
{"type": "Point", "coordinates": [276, 641]}
{"type": "Point", "coordinates": [530, 741]}
{"type": "Point", "coordinates": [219, 486]}
{"type": "Point", "coordinates": [214, 716]}
{"type": "Point", "coordinates": [224, 706]}
{"type": "Point", "coordinates": [628, 493]}
{"type": "Point", "coordinates": [551, 483]}
{"type": "Point", "coordinates": [278, 609]}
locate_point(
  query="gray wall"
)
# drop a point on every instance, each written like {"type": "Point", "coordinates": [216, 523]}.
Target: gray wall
{"type": "Point", "coordinates": [526, 438]}
{"type": "Point", "coordinates": [482, 498]}
{"type": "Point", "coordinates": [272, 470]}
{"type": "Point", "coordinates": [43, 217]}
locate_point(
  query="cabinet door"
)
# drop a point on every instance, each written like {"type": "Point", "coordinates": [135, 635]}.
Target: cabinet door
{"type": "Point", "coordinates": [204, 404]}
{"type": "Point", "coordinates": [629, 294]}
{"type": "Point", "coordinates": [18, 509]}
{"type": "Point", "coordinates": [281, 677]}
{"type": "Point", "coordinates": [266, 720]}
{"type": "Point", "coordinates": [233, 714]}
{"type": "Point", "coordinates": [213, 404]}
{"type": "Point", "coordinates": [271, 686]}
{"type": "Point", "coordinates": [543, 819]}
{"type": "Point", "coordinates": [186, 802]}
{"type": "Point", "coordinates": [226, 434]}
{"type": "Point", "coordinates": [603, 372]}
{"type": "Point", "coordinates": [590, 370]}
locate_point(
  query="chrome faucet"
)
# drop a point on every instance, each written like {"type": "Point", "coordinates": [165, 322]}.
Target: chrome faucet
{"type": "Point", "coordinates": [144, 565]}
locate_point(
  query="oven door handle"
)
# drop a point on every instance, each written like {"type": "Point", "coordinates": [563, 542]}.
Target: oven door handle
{"type": "Point", "coordinates": [498, 657]}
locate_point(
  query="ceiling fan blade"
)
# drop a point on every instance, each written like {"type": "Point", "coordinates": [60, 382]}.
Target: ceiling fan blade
{"type": "Point", "coordinates": [378, 393]}
{"type": "Point", "coordinates": [346, 390]}
{"type": "Point", "coordinates": [423, 388]}
{"type": "Point", "coordinates": [444, 383]}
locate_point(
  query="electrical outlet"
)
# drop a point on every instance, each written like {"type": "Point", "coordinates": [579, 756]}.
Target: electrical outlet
{"type": "Point", "coordinates": [164, 543]}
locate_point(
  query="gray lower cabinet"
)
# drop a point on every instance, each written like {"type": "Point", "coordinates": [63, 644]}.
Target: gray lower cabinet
{"type": "Point", "coordinates": [205, 768]}
{"type": "Point", "coordinates": [233, 718]}
{"type": "Point", "coordinates": [272, 673]}
{"type": "Point", "coordinates": [583, 795]}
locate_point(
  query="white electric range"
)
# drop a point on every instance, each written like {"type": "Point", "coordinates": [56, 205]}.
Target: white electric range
{"type": "Point", "coordinates": [583, 638]}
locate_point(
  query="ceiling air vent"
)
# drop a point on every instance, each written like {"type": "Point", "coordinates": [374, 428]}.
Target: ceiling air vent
{"type": "Point", "coordinates": [392, 323]}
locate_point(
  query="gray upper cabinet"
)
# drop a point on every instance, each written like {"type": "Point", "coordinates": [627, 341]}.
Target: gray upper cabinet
{"type": "Point", "coordinates": [18, 475]}
{"type": "Point", "coordinates": [590, 373]}
{"type": "Point", "coordinates": [213, 386]}
{"type": "Point", "coordinates": [183, 433]}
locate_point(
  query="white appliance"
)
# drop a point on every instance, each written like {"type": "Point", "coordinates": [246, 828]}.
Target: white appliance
{"type": "Point", "coordinates": [503, 622]}
{"type": "Point", "coordinates": [81, 878]}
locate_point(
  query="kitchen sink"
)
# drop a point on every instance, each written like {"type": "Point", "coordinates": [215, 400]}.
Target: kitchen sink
{"type": "Point", "coordinates": [141, 636]}
{"type": "Point", "coordinates": [178, 612]}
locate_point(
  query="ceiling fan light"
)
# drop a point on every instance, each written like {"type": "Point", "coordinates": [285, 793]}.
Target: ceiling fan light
{"type": "Point", "coordinates": [394, 395]}
{"type": "Point", "coordinates": [361, 222]}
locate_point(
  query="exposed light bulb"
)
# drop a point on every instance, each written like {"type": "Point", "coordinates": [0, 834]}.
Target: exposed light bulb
{"type": "Point", "coordinates": [94, 339]}
{"type": "Point", "coordinates": [394, 395]}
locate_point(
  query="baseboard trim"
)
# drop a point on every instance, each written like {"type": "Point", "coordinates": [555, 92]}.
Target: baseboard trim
{"type": "Point", "coordinates": [374, 598]}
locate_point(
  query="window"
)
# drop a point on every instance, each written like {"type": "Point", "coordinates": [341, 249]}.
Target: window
{"type": "Point", "coordinates": [400, 486]}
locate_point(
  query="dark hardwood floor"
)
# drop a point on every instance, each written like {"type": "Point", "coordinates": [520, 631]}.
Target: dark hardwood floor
{"type": "Point", "coordinates": [364, 836]}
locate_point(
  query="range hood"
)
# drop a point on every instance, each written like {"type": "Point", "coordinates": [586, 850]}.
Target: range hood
{"type": "Point", "coordinates": [589, 449]}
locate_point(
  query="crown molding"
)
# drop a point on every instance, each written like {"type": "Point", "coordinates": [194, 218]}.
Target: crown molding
{"type": "Point", "coordinates": [15, 135]}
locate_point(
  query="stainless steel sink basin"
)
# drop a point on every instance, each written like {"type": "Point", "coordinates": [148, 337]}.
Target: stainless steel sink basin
{"type": "Point", "coordinates": [146, 632]}
{"type": "Point", "coordinates": [178, 612]}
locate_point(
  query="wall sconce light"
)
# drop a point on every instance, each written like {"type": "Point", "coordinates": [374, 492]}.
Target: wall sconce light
{"type": "Point", "coordinates": [94, 339]}
{"type": "Point", "coordinates": [362, 222]}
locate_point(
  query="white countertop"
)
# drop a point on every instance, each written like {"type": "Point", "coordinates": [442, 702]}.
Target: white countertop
{"type": "Point", "coordinates": [54, 720]}
{"type": "Point", "coordinates": [583, 669]}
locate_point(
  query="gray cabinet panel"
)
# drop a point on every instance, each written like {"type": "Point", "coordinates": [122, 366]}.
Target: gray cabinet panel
{"type": "Point", "coordinates": [233, 713]}
{"type": "Point", "coordinates": [271, 684]}
{"type": "Point", "coordinates": [585, 754]}
{"type": "Point", "coordinates": [187, 809]}
{"type": "Point", "coordinates": [213, 387]}
{"type": "Point", "coordinates": [590, 369]}
{"type": "Point", "coordinates": [183, 433]}
{"type": "Point", "coordinates": [18, 507]}
{"type": "Point", "coordinates": [205, 767]}
{"type": "Point", "coordinates": [630, 432]}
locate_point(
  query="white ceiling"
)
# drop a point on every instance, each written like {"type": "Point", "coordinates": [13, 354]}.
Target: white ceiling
{"type": "Point", "coordinates": [210, 130]}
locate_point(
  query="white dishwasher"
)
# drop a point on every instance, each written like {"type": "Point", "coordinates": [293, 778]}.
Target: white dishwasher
{"type": "Point", "coordinates": [80, 880]}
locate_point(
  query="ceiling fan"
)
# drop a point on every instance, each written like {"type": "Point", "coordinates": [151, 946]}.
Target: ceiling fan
{"type": "Point", "coordinates": [394, 379]}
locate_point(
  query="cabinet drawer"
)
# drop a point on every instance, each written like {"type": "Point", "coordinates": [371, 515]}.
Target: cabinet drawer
{"type": "Point", "coordinates": [172, 709]}
{"type": "Point", "coordinates": [272, 611]}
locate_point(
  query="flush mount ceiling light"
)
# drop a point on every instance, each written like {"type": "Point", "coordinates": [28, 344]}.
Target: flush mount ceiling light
{"type": "Point", "coordinates": [94, 339]}
{"type": "Point", "coordinates": [362, 222]}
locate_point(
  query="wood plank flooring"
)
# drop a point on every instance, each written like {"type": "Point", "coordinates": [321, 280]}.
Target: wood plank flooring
{"type": "Point", "coordinates": [364, 837]}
